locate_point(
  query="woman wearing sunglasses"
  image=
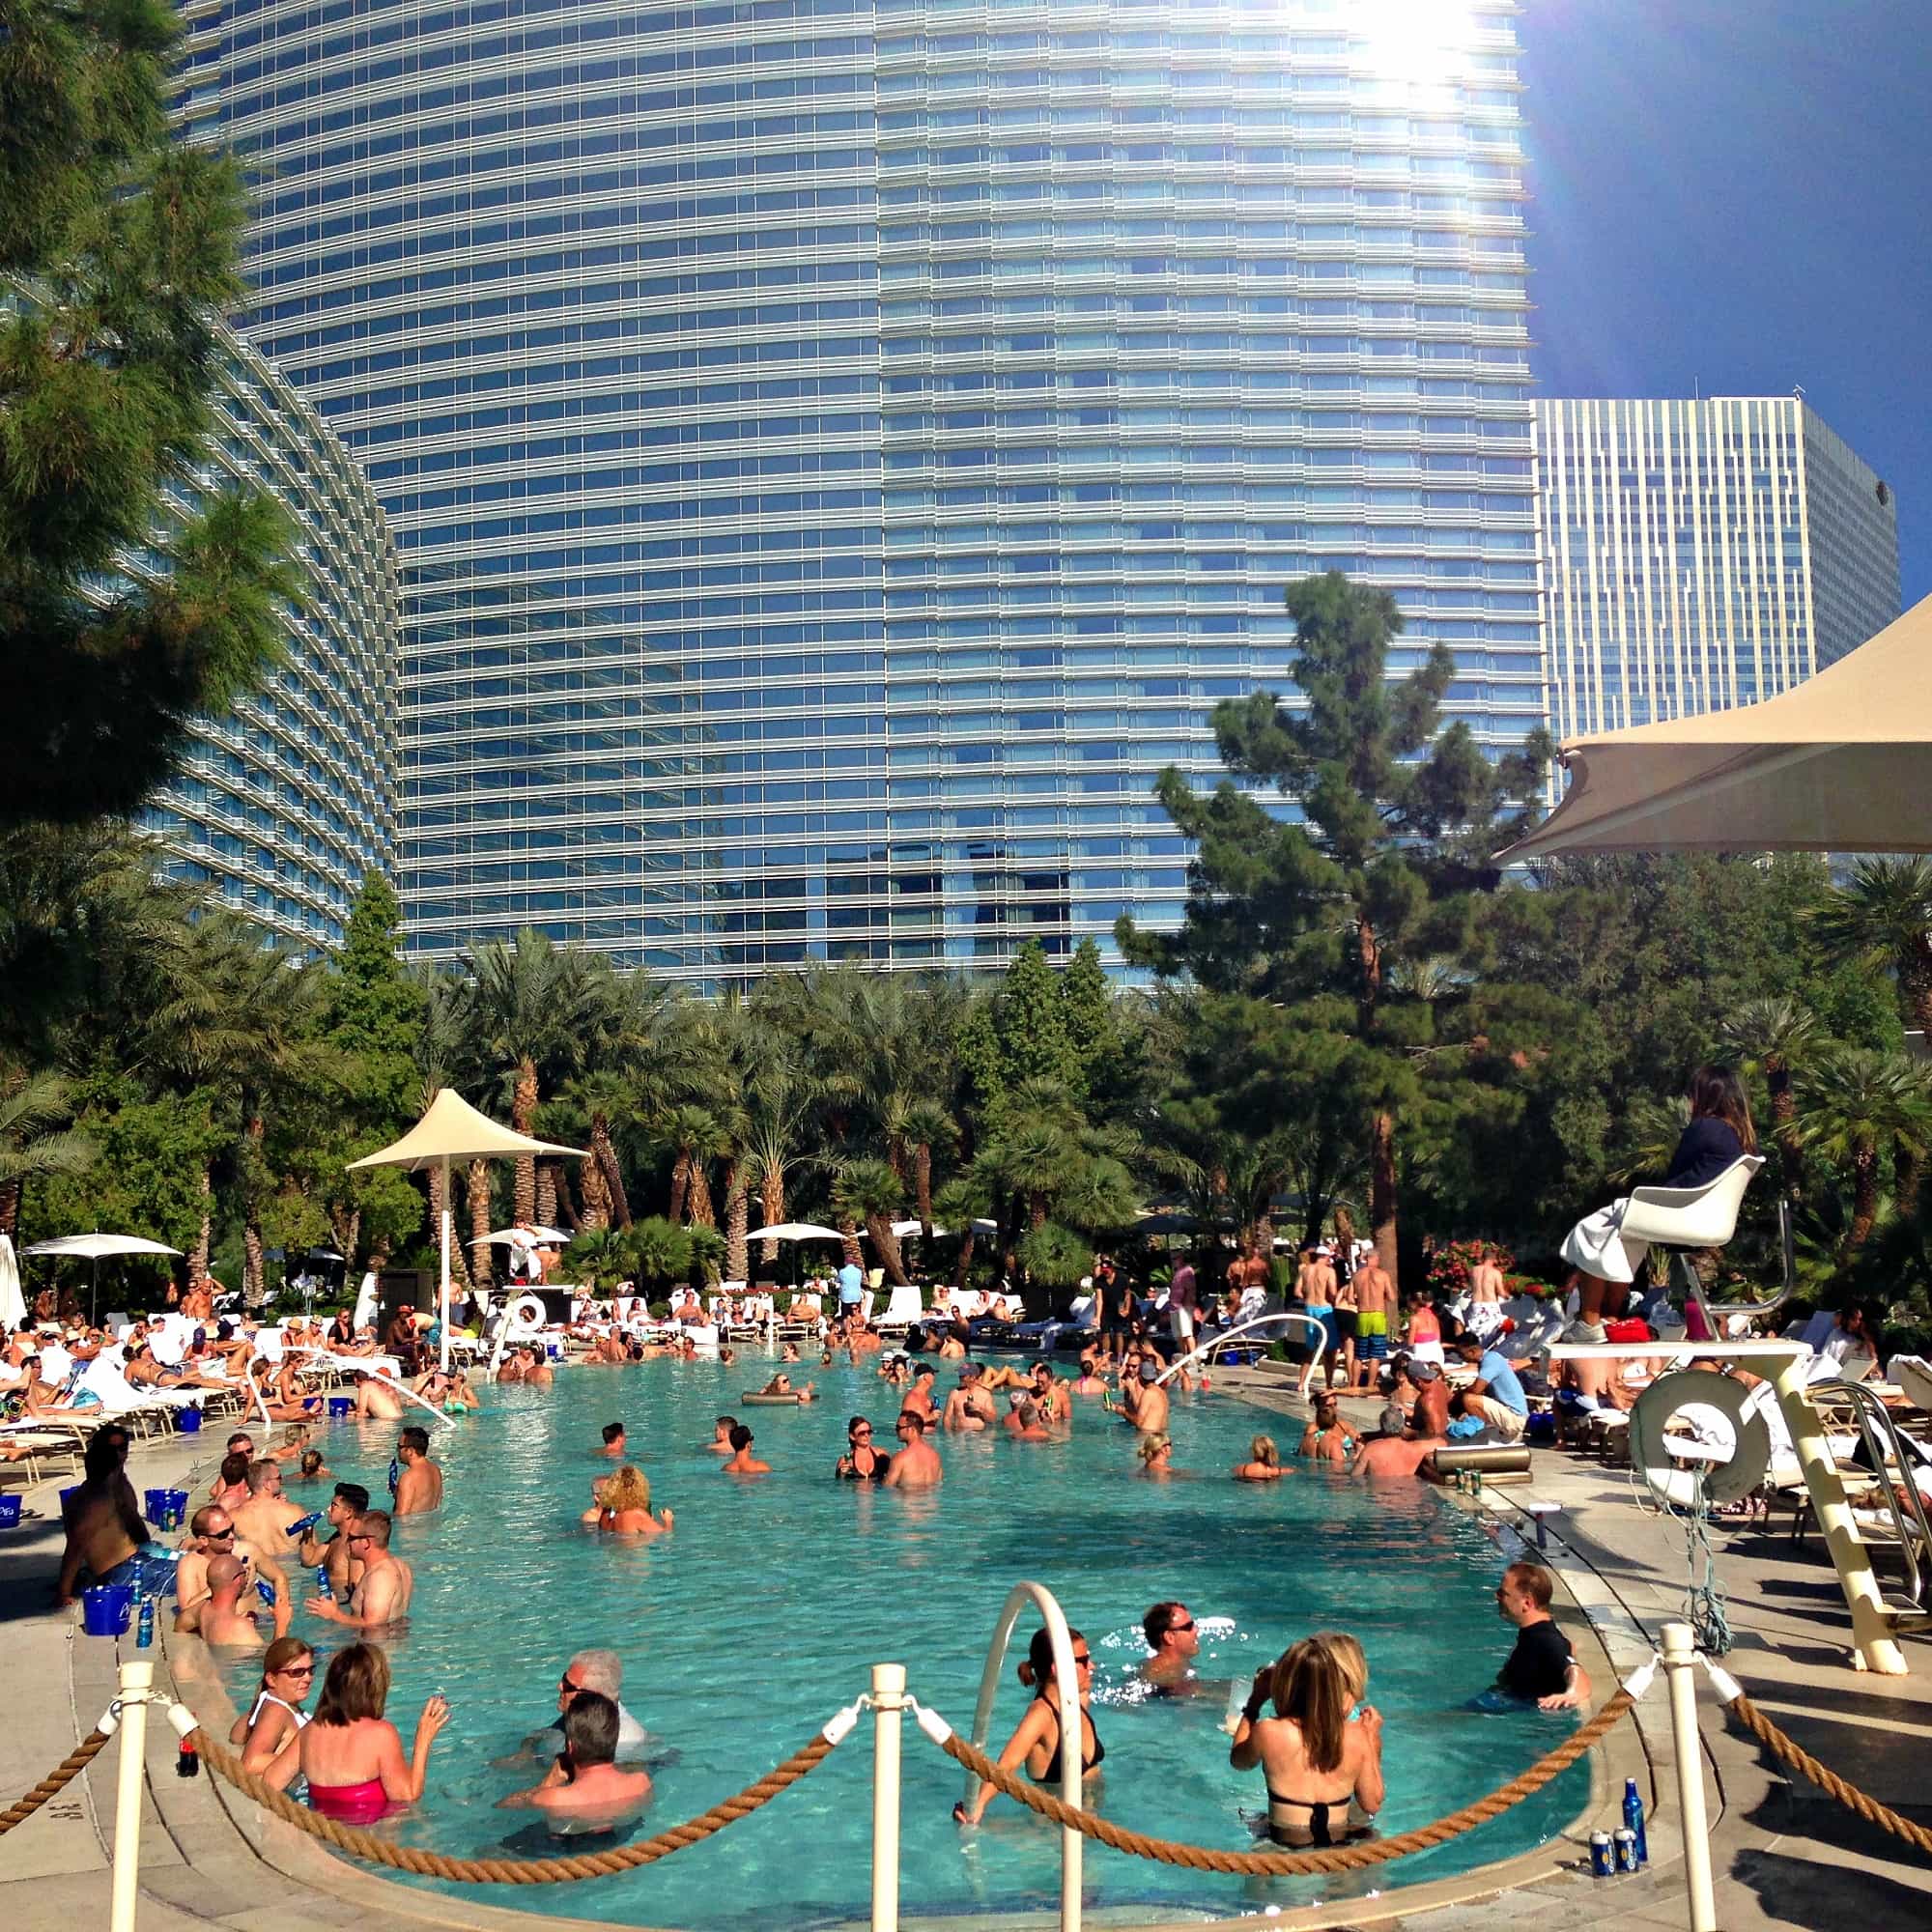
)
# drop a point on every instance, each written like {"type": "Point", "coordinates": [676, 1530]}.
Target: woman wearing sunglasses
{"type": "Point", "coordinates": [1037, 1743]}
{"type": "Point", "coordinates": [288, 1675]}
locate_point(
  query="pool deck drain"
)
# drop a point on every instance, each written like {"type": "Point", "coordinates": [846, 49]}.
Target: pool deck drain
{"type": "Point", "coordinates": [1783, 1854]}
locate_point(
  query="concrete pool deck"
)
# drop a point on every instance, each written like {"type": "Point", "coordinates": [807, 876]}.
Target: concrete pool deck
{"type": "Point", "coordinates": [1785, 1855]}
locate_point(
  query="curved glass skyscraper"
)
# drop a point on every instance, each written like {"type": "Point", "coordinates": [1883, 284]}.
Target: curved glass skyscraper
{"type": "Point", "coordinates": [281, 805]}
{"type": "Point", "coordinates": [840, 449]}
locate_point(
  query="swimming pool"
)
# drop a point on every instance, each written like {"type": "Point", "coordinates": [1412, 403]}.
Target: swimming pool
{"type": "Point", "coordinates": [761, 1613]}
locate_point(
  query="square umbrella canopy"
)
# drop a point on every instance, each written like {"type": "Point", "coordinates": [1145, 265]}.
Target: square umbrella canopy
{"type": "Point", "coordinates": [450, 1131]}
{"type": "Point", "coordinates": [1839, 763]}
{"type": "Point", "coordinates": [93, 1247]}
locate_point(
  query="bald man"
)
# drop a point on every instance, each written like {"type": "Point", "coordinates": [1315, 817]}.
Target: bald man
{"type": "Point", "coordinates": [227, 1620]}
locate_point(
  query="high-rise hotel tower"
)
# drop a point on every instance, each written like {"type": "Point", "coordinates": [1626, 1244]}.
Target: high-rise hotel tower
{"type": "Point", "coordinates": [1702, 555]}
{"type": "Point", "coordinates": [839, 450]}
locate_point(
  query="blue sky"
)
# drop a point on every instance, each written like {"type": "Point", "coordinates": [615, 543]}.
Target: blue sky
{"type": "Point", "coordinates": [1737, 194]}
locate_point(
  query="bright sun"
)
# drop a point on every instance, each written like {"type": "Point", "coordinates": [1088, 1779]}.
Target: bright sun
{"type": "Point", "coordinates": [1412, 40]}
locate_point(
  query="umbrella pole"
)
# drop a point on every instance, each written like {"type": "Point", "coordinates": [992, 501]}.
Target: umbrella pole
{"type": "Point", "coordinates": [446, 1263]}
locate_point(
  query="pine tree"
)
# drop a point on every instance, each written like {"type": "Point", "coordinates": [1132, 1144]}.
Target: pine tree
{"type": "Point", "coordinates": [1029, 1023]}
{"type": "Point", "coordinates": [118, 249]}
{"type": "Point", "coordinates": [1315, 913]}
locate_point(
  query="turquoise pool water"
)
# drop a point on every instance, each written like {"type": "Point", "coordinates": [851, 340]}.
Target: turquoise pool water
{"type": "Point", "coordinates": [760, 1615]}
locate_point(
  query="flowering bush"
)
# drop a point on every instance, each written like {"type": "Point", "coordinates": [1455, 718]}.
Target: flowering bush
{"type": "Point", "coordinates": [1451, 1264]}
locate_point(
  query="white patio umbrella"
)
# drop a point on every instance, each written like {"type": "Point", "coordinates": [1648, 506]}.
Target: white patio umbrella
{"type": "Point", "coordinates": [796, 1231]}
{"type": "Point", "coordinates": [93, 1246]}
{"type": "Point", "coordinates": [522, 1238]}
{"type": "Point", "coordinates": [12, 1303]}
{"type": "Point", "coordinates": [1838, 763]}
{"type": "Point", "coordinates": [452, 1130]}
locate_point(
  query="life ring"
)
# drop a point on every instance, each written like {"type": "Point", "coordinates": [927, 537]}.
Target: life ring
{"type": "Point", "coordinates": [1687, 1392]}
{"type": "Point", "coordinates": [759, 1396]}
{"type": "Point", "coordinates": [528, 1311]}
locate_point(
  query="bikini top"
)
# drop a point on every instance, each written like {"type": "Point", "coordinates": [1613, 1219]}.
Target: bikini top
{"type": "Point", "coordinates": [1051, 1775]}
{"type": "Point", "coordinates": [269, 1697]}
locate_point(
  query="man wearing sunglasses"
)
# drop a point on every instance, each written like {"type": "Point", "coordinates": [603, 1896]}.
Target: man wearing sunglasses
{"type": "Point", "coordinates": [383, 1595]}
{"type": "Point", "coordinates": [1170, 1634]}
{"type": "Point", "coordinates": [600, 1671]}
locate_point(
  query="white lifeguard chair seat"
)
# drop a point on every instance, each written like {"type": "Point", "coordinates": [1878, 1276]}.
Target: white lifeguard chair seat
{"type": "Point", "coordinates": [1691, 1217]}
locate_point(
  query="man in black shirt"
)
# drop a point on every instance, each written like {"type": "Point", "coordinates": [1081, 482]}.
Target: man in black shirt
{"type": "Point", "coordinates": [1542, 1666]}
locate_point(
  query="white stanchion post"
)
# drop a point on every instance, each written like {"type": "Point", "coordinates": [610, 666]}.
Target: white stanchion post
{"type": "Point", "coordinates": [138, 1676]}
{"type": "Point", "coordinates": [1680, 1664]}
{"type": "Point", "coordinates": [889, 1701]}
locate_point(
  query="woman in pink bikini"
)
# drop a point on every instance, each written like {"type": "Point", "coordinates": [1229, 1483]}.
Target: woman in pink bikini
{"type": "Point", "coordinates": [350, 1754]}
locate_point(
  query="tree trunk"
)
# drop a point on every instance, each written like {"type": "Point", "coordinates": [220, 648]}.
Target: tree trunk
{"type": "Point", "coordinates": [254, 1272]}
{"type": "Point", "coordinates": [737, 1223]}
{"type": "Point", "coordinates": [772, 1187]}
{"type": "Point", "coordinates": [482, 1262]}
{"type": "Point", "coordinates": [1784, 1125]}
{"type": "Point", "coordinates": [197, 1257]}
{"type": "Point", "coordinates": [1864, 1197]}
{"type": "Point", "coordinates": [524, 1118]}
{"type": "Point", "coordinates": [922, 1175]}
{"type": "Point", "coordinates": [546, 1191]}
{"type": "Point", "coordinates": [254, 1275]}
{"type": "Point", "coordinates": [848, 1233]}
{"type": "Point", "coordinates": [680, 1186]}
{"type": "Point", "coordinates": [1907, 1172]}
{"type": "Point", "coordinates": [596, 1187]}
{"type": "Point", "coordinates": [566, 1206]}
{"type": "Point", "coordinates": [965, 1265]}
{"type": "Point", "coordinates": [698, 1200]}
{"type": "Point", "coordinates": [1382, 1193]}
{"type": "Point", "coordinates": [9, 1209]}
{"type": "Point", "coordinates": [886, 1244]}
{"type": "Point", "coordinates": [604, 1152]}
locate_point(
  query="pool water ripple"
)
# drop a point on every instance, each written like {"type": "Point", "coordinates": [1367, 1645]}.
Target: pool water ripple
{"type": "Point", "coordinates": [763, 1611]}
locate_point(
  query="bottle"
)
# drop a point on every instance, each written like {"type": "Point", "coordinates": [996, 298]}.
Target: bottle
{"type": "Point", "coordinates": [1633, 1820]}
{"type": "Point", "coordinates": [188, 1762]}
{"type": "Point", "coordinates": [302, 1525]}
{"type": "Point", "coordinates": [266, 1590]}
{"type": "Point", "coordinates": [321, 1588]}
{"type": "Point", "coordinates": [395, 1474]}
{"type": "Point", "coordinates": [144, 1619]}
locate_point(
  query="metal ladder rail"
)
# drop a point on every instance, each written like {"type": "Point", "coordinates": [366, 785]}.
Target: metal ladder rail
{"type": "Point", "coordinates": [1884, 1444]}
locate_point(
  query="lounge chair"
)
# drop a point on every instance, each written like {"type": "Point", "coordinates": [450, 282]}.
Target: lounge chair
{"type": "Point", "coordinates": [902, 1310]}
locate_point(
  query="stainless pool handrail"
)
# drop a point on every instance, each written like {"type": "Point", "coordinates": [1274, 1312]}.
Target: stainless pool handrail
{"type": "Point", "coordinates": [1226, 1335]}
{"type": "Point", "coordinates": [1071, 1752]}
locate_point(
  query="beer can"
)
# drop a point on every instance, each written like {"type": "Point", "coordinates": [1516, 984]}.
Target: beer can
{"type": "Point", "coordinates": [1625, 1842]}
{"type": "Point", "coordinates": [1601, 1860]}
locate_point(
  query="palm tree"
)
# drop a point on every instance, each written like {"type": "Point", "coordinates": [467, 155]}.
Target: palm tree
{"type": "Point", "coordinates": [533, 1007]}
{"type": "Point", "coordinates": [1773, 1036]}
{"type": "Point", "coordinates": [1855, 1103]}
{"type": "Point", "coordinates": [696, 1137]}
{"type": "Point", "coordinates": [1881, 917]}
{"type": "Point", "coordinates": [34, 1141]}
{"type": "Point", "coordinates": [869, 1191]}
{"type": "Point", "coordinates": [959, 1204]}
{"type": "Point", "coordinates": [915, 1126]}
{"type": "Point", "coordinates": [439, 1050]}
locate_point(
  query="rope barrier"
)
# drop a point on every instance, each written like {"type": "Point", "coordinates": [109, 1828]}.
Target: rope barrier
{"type": "Point", "coordinates": [63, 1773]}
{"type": "Point", "coordinates": [1801, 1760]}
{"type": "Point", "coordinates": [1274, 1865]}
{"type": "Point", "coordinates": [378, 1850]}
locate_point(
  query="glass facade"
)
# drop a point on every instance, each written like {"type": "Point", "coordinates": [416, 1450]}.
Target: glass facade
{"type": "Point", "coordinates": [1702, 555]}
{"type": "Point", "coordinates": [280, 806]}
{"type": "Point", "coordinates": [839, 450]}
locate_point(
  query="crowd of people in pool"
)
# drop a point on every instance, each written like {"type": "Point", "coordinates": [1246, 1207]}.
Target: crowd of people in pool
{"type": "Point", "coordinates": [1306, 1724]}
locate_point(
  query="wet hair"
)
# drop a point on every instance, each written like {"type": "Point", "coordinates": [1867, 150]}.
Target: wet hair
{"type": "Point", "coordinates": [912, 1416]}
{"type": "Point", "coordinates": [358, 1684]}
{"type": "Point", "coordinates": [234, 1471]}
{"type": "Point", "coordinates": [741, 1436]}
{"type": "Point", "coordinates": [1153, 1445]}
{"type": "Point", "coordinates": [1157, 1622]}
{"type": "Point", "coordinates": [311, 1462]}
{"type": "Point", "coordinates": [1262, 1450]}
{"type": "Point", "coordinates": [1533, 1580]}
{"type": "Point", "coordinates": [283, 1652]}
{"type": "Point", "coordinates": [626, 1489]}
{"type": "Point", "coordinates": [1037, 1670]}
{"type": "Point", "coordinates": [1311, 1688]}
{"type": "Point", "coordinates": [375, 1526]}
{"type": "Point", "coordinates": [355, 1495]}
{"type": "Point", "coordinates": [414, 1438]}
{"type": "Point", "coordinates": [1716, 1092]}
{"type": "Point", "coordinates": [591, 1729]}
{"type": "Point", "coordinates": [612, 1431]}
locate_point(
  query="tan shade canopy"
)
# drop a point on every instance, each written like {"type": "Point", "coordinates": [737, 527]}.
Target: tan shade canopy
{"type": "Point", "coordinates": [1840, 763]}
{"type": "Point", "coordinates": [453, 1130]}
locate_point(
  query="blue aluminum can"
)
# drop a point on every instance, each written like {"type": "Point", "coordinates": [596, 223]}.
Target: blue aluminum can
{"type": "Point", "coordinates": [1602, 1860]}
{"type": "Point", "coordinates": [1625, 1842]}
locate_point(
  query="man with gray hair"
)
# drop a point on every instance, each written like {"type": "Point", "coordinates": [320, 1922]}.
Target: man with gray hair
{"type": "Point", "coordinates": [600, 1671]}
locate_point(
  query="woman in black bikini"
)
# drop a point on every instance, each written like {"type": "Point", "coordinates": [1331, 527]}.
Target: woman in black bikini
{"type": "Point", "coordinates": [1037, 1742]}
{"type": "Point", "coordinates": [861, 1461]}
{"type": "Point", "coordinates": [1324, 1766]}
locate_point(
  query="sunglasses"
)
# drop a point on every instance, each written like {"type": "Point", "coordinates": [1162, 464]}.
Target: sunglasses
{"type": "Point", "coordinates": [563, 1682]}
{"type": "Point", "coordinates": [1084, 1662]}
{"type": "Point", "coordinates": [220, 1535]}
{"type": "Point", "coordinates": [359, 1537]}
{"type": "Point", "coordinates": [1178, 1626]}
{"type": "Point", "coordinates": [296, 1670]}
{"type": "Point", "coordinates": [859, 1435]}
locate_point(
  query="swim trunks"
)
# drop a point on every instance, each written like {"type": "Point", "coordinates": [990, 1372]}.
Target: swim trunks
{"type": "Point", "coordinates": [1372, 1335]}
